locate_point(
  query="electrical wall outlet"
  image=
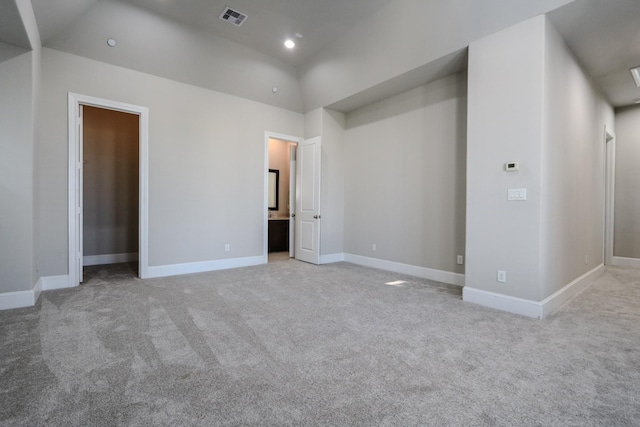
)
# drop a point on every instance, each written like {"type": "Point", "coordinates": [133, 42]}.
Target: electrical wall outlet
{"type": "Point", "coordinates": [373, 247]}
{"type": "Point", "coordinates": [227, 247]}
{"type": "Point", "coordinates": [502, 276]}
{"type": "Point", "coordinates": [460, 260]}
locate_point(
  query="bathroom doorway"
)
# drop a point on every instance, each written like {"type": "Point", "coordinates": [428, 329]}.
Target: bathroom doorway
{"type": "Point", "coordinates": [280, 197]}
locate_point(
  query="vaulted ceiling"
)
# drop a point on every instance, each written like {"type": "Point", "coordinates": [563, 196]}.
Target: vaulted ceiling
{"type": "Point", "coordinates": [605, 37]}
{"type": "Point", "coordinates": [603, 34]}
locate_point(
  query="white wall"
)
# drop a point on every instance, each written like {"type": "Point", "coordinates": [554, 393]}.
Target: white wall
{"type": "Point", "coordinates": [411, 34]}
{"type": "Point", "coordinates": [506, 95]}
{"type": "Point", "coordinates": [572, 168]}
{"type": "Point", "coordinates": [313, 123]}
{"type": "Point", "coordinates": [405, 177]}
{"type": "Point", "coordinates": [332, 183]}
{"type": "Point", "coordinates": [206, 161]}
{"type": "Point", "coordinates": [627, 194]}
{"type": "Point", "coordinates": [530, 102]}
{"type": "Point", "coordinates": [19, 86]}
{"type": "Point", "coordinates": [16, 173]}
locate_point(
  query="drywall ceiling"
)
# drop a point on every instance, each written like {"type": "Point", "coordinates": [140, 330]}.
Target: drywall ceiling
{"type": "Point", "coordinates": [12, 30]}
{"type": "Point", "coordinates": [55, 16]}
{"type": "Point", "coordinates": [605, 37]}
{"type": "Point", "coordinates": [269, 23]}
{"type": "Point", "coordinates": [603, 34]}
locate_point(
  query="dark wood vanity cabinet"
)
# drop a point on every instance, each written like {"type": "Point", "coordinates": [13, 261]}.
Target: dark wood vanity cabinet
{"type": "Point", "coordinates": [278, 235]}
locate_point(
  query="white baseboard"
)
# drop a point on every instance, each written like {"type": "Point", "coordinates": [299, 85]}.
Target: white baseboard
{"type": "Point", "coordinates": [50, 283]}
{"type": "Point", "coordinates": [411, 270]}
{"type": "Point", "coordinates": [524, 307]}
{"type": "Point", "coordinates": [625, 262]}
{"type": "Point", "coordinates": [502, 302]}
{"type": "Point", "coordinates": [557, 299]}
{"type": "Point", "coordinates": [109, 259]}
{"type": "Point", "coordinates": [37, 290]}
{"type": "Point", "coordinates": [203, 266]}
{"type": "Point", "coordinates": [29, 298]}
{"type": "Point", "coordinates": [19, 299]}
{"type": "Point", "coordinates": [331, 258]}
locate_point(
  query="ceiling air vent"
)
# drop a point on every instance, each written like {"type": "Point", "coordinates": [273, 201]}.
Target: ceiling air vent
{"type": "Point", "coordinates": [233, 16]}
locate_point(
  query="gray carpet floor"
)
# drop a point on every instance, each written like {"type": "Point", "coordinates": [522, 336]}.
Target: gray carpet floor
{"type": "Point", "coordinates": [292, 344]}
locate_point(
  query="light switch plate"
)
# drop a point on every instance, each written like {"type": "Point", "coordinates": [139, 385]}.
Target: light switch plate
{"type": "Point", "coordinates": [517, 194]}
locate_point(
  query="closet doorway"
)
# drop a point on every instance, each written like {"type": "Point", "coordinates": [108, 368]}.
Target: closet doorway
{"type": "Point", "coordinates": [108, 182]}
{"type": "Point", "coordinates": [110, 175]}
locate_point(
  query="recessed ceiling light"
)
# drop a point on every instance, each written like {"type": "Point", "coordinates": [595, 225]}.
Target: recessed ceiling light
{"type": "Point", "coordinates": [290, 44]}
{"type": "Point", "coordinates": [274, 89]}
{"type": "Point", "coordinates": [635, 72]}
{"type": "Point", "coordinates": [111, 42]}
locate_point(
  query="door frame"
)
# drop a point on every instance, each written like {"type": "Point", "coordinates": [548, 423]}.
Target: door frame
{"type": "Point", "coordinates": [265, 209]}
{"type": "Point", "coordinates": [609, 193]}
{"type": "Point", "coordinates": [293, 152]}
{"type": "Point", "coordinates": [74, 181]}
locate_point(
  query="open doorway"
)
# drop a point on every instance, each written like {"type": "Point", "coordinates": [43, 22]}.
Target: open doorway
{"type": "Point", "coordinates": [281, 199]}
{"type": "Point", "coordinates": [121, 243]}
{"type": "Point", "coordinates": [110, 182]}
{"type": "Point", "coordinates": [303, 211]}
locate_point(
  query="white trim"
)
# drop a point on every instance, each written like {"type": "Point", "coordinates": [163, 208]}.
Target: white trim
{"type": "Point", "coordinates": [203, 266]}
{"type": "Point", "coordinates": [609, 193]}
{"type": "Point", "coordinates": [109, 258]}
{"type": "Point", "coordinates": [502, 302]}
{"type": "Point", "coordinates": [74, 102]}
{"type": "Point", "coordinates": [331, 258]}
{"type": "Point", "coordinates": [625, 262]}
{"type": "Point", "coordinates": [50, 283]}
{"type": "Point", "coordinates": [265, 233]}
{"type": "Point", "coordinates": [527, 307]}
{"type": "Point", "coordinates": [556, 300]}
{"type": "Point", "coordinates": [20, 299]}
{"type": "Point", "coordinates": [411, 270]}
{"type": "Point", "coordinates": [37, 290]}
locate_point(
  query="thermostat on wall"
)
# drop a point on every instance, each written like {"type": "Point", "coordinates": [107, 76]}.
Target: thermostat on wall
{"type": "Point", "coordinates": [511, 166]}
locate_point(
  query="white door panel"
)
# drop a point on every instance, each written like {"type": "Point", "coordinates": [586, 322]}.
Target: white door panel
{"type": "Point", "coordinates": [308, 201]}
{"type": "Point", "coordinates": [307, 238]}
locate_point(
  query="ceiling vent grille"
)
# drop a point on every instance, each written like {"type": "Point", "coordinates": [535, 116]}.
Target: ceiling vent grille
{"type": "Point", "coordinates": [233, 16]}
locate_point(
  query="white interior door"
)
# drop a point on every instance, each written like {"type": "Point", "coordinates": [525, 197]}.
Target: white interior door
{"type": "Point", "coordinates": [307, 219]}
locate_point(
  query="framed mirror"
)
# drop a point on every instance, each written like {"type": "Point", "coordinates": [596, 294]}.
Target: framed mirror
{"type": "Point", "coordinates": [274, 184]}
